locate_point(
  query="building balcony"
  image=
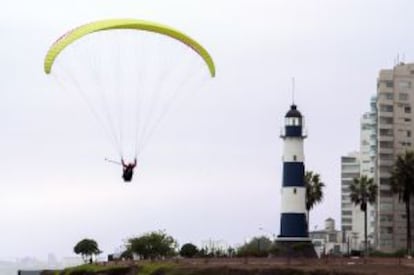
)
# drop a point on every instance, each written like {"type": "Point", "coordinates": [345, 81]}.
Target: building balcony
{"type": "Point", "coordinates": [385, 150]}
{"type": "Point", "coordinates": [385, 187]}
{"type": "Point", "coordinates": [382, 99]}
{"type": "Point", "coordinates": [385, 162]}
{"type": "Point", "coordinates": [385, 174]}
{"type": "Point", "coordinates": [382, 199]}
{"type": "Point", "coordinates": [386, 114]}
{"type": "Point", "coordinates": [386, 126]}
{"type": "Point", "coordinates": [386, 138]}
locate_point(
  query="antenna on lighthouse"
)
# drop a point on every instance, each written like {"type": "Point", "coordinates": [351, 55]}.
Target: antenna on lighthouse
{"type": "Point", "coordinates": [293, 91]}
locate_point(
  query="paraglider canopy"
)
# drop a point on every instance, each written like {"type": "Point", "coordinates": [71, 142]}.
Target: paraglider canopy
{"type": "Point", "coordinates": [111, 24]}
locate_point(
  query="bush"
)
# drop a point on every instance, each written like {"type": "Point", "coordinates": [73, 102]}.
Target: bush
{"type": "Point", "coordinates": [153, 245]}
{"type": "Point", "coordinates": [188, 250]}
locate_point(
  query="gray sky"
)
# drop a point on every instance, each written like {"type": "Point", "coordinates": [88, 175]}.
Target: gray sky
{"type": "Point", "coordinates": [213, 169]}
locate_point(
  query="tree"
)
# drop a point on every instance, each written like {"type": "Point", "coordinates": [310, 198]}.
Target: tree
{"type": "Point", "coordinates": [87, 248]}
{"type": "Point", "coordinates": [364, 192]}
{"type": "Point", "coordinates": [188, 250]}
{"type": "Point", "coordinates": [314, 193]}
{"type": "Point", "coordinates": [402, 183]}
{"type": "Point", "coordinates": [258, 246]}
{"type": "Point", "coordinates": [153, 245]}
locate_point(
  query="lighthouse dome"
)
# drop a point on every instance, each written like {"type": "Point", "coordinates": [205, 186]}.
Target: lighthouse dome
{"type": "Point", "coordinates": [293, 112]}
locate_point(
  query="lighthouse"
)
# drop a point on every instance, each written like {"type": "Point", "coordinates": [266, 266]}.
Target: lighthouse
{"type": "Point", "coordinates": [293, 221]}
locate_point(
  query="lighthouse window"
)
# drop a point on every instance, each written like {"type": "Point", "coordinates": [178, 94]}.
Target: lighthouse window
{"type": "Point", "coordinates": [294, 157]}
{"type": "Point", "coordinates": [292, 121]}
{"type": "Point", "coordinates": [294, 190]}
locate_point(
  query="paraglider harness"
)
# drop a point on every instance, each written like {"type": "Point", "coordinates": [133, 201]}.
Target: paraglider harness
{"type": "Point", "coordinates": [128, 170]}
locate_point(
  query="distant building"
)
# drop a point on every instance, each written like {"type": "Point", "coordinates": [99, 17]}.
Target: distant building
{"type": "Point", "coordinates": [71, 261]}
{"type": "Point", "coordinates": [328, 241]}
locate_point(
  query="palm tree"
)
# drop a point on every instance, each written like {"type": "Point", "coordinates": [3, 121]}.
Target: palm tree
{"type": "Point", "coordinates": [402, 183]}
{"type": "Point", "coordinates": [314, 192]}
{"type": "Point", "coordinates": [364, 192]}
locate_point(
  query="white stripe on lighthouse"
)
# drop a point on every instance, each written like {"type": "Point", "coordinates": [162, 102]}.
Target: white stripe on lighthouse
{"type": "Point", "coordinates": [293, 200]}
{"type": "Point", "coordinates": [293, 150]}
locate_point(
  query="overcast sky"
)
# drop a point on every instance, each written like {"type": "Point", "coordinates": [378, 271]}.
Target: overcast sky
{"type": "Point", "coordinates": [213, 168]}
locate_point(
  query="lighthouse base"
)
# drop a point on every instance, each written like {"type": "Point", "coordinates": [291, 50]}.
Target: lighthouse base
{"type": "Point", "coordinates": [295, 247]}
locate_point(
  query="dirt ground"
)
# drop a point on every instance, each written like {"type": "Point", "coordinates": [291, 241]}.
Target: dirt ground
{"type": "Point", "coordinates": [371, 266]}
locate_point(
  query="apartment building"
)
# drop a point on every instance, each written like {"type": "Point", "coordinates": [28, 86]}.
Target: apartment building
{"type": "Point", "coordinates": [350, 169]}
{"type": "Point", "coordinates": [354, 165]}
{"type": "Point", "coordinates": [395, 99]}
{"type": "Point", "coordinates": [368, 155]}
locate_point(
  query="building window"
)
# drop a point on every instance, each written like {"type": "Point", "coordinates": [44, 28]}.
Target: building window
{"type": "Point", "coordinates": [383, 156]}
{"type": "Point", "coordinates": [385, 120]}
{"type": "Point", "coordinates": [348, 159]}
{"type": "Point", "coordinates": [408, 133]}
{"type": "Point", "coordinates": [403, 96]}
{"type": "Point", "coordinates": [388, 96]}
{"type": "Point", "coordinates": [386, 194]}
{"type": "Point", "coordinates": [386, 132]}
{"type": "Point", "coordinates": [386, 144]}
{"type": "Point", "coordinates": [385, 180]}
{"type": "Point", "coordinates": [386, 108]}
{"type": "Point", "coordinates": [294, 157]}
{"type": "Point", "coordinates": [386, 242]}
{"type": "Point", "coordinates": [386, 218]}
{"type": "Point", "coordinates": [387, 230]}
{"type": "Point", "coordinates": [407, 109]}
{"type": "Point", "coordinates": [386, 206]}
{"type": "Point", "coordinates": [404, 84]}
{"type": "Point", "coordinates": [389, 83]}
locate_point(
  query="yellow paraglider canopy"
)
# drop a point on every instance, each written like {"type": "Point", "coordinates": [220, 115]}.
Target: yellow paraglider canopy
{"type": "Point", "coordinates": [111, 24]}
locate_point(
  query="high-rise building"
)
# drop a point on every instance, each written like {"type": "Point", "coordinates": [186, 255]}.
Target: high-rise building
{"type": "Point", "coordinates": [368, 156]}
{"type": "Point", "coordinates": [354, 165]}
{"type": "Point", "coordinates": [350, 169]}
{"type": "Point", "coordinates": [395, 100]}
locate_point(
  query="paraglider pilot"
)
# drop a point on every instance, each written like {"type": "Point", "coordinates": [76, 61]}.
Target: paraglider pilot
{"type": "Point", "coordinates": [128, 170]}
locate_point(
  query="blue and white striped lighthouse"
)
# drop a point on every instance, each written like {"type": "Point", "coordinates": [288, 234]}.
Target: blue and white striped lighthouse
{"type": "Point", "coordinates": [293, 224]}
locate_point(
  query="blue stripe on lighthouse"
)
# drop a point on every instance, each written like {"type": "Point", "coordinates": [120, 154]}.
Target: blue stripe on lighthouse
{"type": "Point", "coordinates": [293, 131]}
{"type": "Point", "coordinates": [293, 174]}
{"type": "Point", "coordinates": [293, 225]}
